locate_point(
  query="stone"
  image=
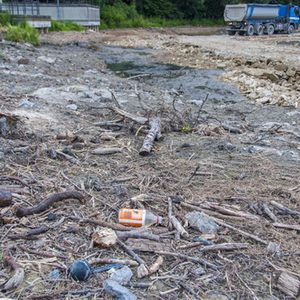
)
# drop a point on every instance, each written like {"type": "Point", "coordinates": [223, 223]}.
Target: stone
{"type": "Point", "coordinates": [273, 248]}
{"type": "Point", "coordinates": [290, 72]}
{"type": "Point", "coordinates": [27, 104]}
{"type": "Point", "coordinates": [280, 67]}
{"type": "Point", "coordinates": [72, 106]}
{"type": "Point", "coordinates": [1, 155]}
{"type": "Point", "coordinates": [49, 60]}
{"type": "Point", "coordinates": [202, 223]}
{"type": "Point", "coordinates": [104, 238]}
{"type": "Point", "coordinates": [122, 276]}
{"type": "Point", "coordinates": [199, 271]}
{"type": "Point", "coordinates": [23, 61]}
{"type": "Point", "coordinates": [118, 291]}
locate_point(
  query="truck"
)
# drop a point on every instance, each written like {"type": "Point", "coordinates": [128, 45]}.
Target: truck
{"type": "Point", "coordinates": [258, 19]}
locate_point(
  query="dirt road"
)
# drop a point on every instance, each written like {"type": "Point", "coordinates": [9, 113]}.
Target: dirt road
{"type": "Point", "coordinates": [224, 154]}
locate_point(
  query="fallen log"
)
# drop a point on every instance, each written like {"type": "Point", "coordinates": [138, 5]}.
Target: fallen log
{"type": "Point", "coordinates": [49, 201]}
{"type": "Point", "coordinates": [153, 134]}
{"type": "Point", "coordinates": [217, 247]}
{"type": "Point", "coordinates": [287, 226]}
{"type": "Point", "coordinates": [5, 198]}
{"type": "Point", "coordinates": [289, 285]}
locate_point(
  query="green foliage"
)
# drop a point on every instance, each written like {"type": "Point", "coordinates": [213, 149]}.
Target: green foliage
{"type": "Point", "coordinates": [22, 33]}
{"type": "Point", "coordinates": [67, 26]}
{"type": "Point", "coordinates": [4, 18]}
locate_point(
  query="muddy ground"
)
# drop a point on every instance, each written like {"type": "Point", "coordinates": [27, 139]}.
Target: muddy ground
{"type": "Point", "coordinates": [231, 132]}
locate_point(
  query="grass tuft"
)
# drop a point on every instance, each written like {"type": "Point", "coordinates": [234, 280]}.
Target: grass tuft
{"type": "Point", "coordinates": [22, 33]}
{"type": "Point", "coordinates": [67, 26]}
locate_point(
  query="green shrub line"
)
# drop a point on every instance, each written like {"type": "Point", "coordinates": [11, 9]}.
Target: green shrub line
{"type": "Point", "coordinates": [22, 33]}
{"type": "Point", "coordinates": [65, 26]}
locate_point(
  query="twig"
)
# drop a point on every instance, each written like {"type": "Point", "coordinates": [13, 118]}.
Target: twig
{"type": "Point", "coordinates": [200, 109]}
{"type": "Point", "coordinates": [137, 119]}
{"type": "Point", "coordinates": [44, 205]}
{"type": "Point", "coordinates": [287, 226]}
{"type": "Point", "coordinates": [138, 235]}
{"type": "Point", "coordinates": [268, 212]}
{"type": "Point", "coordinates": [106, 151]}
{"type": "Point", "coordinates": [217, 247]}
{"type": "Point", "coordinates": [285, 210]}
{"type": "Point", "coordinates": [127, 262]}
{"type": "Point", "coordinates": [131, 252]}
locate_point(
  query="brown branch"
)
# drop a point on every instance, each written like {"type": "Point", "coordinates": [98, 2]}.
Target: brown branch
{"type": "Point", "coordinates": [137, 119]}
{"type": "Point", "coordinates": [103, 224]}
{"type": "Point", "coordinates": [127, 262]}
{"type": "Point", "coordinates": [285, 210]}
{"type": "Point", "coordinates": [131, 253]}
{"type": "Point", "coordinates": [217, 247]}
{"type": "Point", "coordinates": [138, 235]}
{"type": "Point", "coordinates": [49, 201]}
{"type": "Point", "coordinates": [30, 233]}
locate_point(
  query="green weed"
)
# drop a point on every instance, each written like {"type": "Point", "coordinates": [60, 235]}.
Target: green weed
{"type": "Point", "coordinates": [67, 26]}
{"type": "Point", "coordinates": [22, 33]}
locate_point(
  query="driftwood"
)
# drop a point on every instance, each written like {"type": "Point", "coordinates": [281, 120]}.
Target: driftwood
{"type": "Point", "coordinates": [127, 262]}
{"type": "Point", "coordinates": [30, 233]}
{"type": "Point", "coordinates": [129, 251]}
{"type": "Point", "coordinates": [68, 157]}
{"type": "Point", "coordinates": [230, 212]}
{"type": "Point", "coordinates": [285, 210]}
{"type": "Point", "coordinates": [137, 119]}
{"type": "Point", "coordinates": [106, 151]}
{"type": "Point", "coordinates": [217, 247]}
{"type": "Point", "coordinates": [222, 223]}
{"type": "Point", "coordinates": [289, 285]}
{"type": "Point", "coordinates": [49, 201]}
{"type": "Point", "coordinates": [179, 228]}
{"type": "Point", "coordinates": [155, 267]}
{"type": "Point", "coordinates": [154, 134]}
{"type": "Point", "coordinates": [102, 224]}
{"type": "Point", "coordinates": [18, 275]}
{"type": "Point", "coordinates": [287, 226]}
{"type": "Point", "coordinates": [268, 212]}
{"type": "Point", "coordinates": [186, 257]}
{"type": "Point", "coordinates": [138, 235]}
{"type": "Point", "coordinates": [5, 198]}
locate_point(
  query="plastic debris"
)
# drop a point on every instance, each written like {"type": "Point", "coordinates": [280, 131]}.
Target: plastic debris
{"type": "Point", "coordinates": [118, 291]}
{"type": "Point", "coordinates": [202, 223]}
{"type": "Point", "coordinates": [138, 217]}
{"type": "Point", "coordinates": [80, 270]}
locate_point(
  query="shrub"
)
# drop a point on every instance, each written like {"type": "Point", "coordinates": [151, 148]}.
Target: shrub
{"type": "Point", "coordinates": [22, 33]}
{"type": "Point", "coordinates": [4, 18]}
{"type": "Point", "coordinates": [68, 26]}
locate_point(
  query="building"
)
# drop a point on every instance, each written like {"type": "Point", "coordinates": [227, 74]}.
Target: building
{"type": "Point", "coordinates": [39, 13]}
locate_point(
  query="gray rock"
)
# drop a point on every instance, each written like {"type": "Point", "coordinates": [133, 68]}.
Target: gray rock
{"type": "Point", "coordinates": [199, 271]}
{"type": "Point", "coordinates": [49, 60]}
{"type": "Point", "coordinates": [27, 104]}
{"type": "Point", "coordinates": [72, 106]}
{"type": "Point", "coordinates": [118, 291]}
{"type": "Point", "coordinates": [1, 155]}
{"type": "Point", "coordinates": [122, 275]}
{"type": "Point", "coordinates": [202, 223]}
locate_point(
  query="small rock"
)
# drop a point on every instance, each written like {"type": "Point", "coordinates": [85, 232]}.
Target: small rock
{"type": "Point", "coordinates": [27, 104]}
{"type": "Point", "coordinates": [23, 61]}
{"type": "Point", "coordinates": [202, 223]}
{"type": "Point", "coordinates": [4, 127]}
{"type": "Point", "coordinates": [122, 276]}
{"type": "Point", "coordinates": [1, 155]}
{"type": "Point", "coordinates": [49, 60]}
{"type": "Point", "coordinates": [104, 238]}
{"type": "Point", "coordinates": [72, 106]}
{"type": "Point", "coordinates": [117, 290]}
{"type": "Point", "coordinates": [273, 248]}
{"type": "Point", "coordinates": [199, 271]}
{"type": "Point", "coordinates": [54, 274]}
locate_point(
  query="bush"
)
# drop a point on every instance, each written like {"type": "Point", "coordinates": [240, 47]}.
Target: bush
{"type": "Point", "coordinates": [68, 26]}
{"type": "Point", "coordinates": [4, 18]}
{"type": "Point", "coordinates": [23, 33]}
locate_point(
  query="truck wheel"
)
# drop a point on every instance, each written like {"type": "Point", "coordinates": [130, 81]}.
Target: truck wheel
{"type": "Point", "coordinates": [250, 30]}
{"type": "Point", "coordinates": [291, 29]}
{"type": "Point", "coordinates": [260, 30]}
{"type": "Point", "coordinates": [270, 29]}
{"type": "Point", "coordinates": [231, 32]}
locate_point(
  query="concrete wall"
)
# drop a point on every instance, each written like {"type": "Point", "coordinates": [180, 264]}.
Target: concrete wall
{"type": "Point", "coordinates": [83, 14]}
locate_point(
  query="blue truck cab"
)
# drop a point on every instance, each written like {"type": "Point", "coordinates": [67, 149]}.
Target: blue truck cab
{"type": "Point", "coordinates": [259, 19]}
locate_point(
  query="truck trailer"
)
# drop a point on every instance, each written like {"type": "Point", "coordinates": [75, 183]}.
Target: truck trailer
{"type": "Point", "coordinates": [259, 19]}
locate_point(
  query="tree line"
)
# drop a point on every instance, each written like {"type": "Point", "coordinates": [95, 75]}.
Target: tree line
{"type": "Point", "coordinates": [186, 9]}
